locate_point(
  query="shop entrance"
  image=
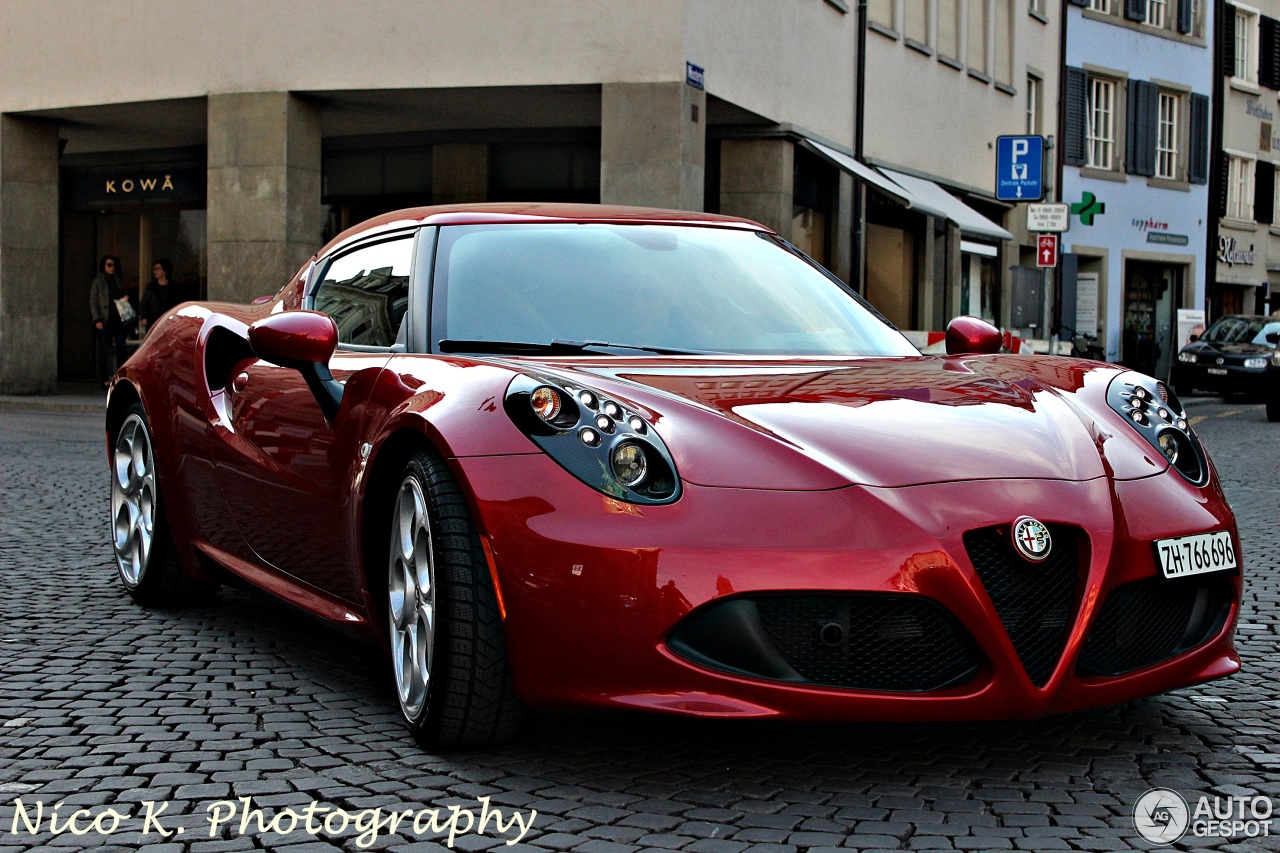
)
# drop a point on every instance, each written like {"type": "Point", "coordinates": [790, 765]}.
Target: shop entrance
{"type": "Point", "coordinates": [1152, 297]}
{"type": "Point", "coordinates": [138, 237]}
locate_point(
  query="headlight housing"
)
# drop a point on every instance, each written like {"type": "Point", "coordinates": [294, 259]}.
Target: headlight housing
{"type": "Point", "coordinates": [1256, 363]}
{"type": "Point", "coordinates": [601, 441]}
{"type": "Point", "coordinates": [1187, 357]}
{"type": "Point", "coordinates": [1155, 411]}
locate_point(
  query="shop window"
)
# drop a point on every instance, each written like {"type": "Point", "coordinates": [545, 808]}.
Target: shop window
{"type": "Point", "coordinates": [366, 292]}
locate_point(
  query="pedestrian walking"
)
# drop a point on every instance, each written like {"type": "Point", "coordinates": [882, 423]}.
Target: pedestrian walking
{"type": "Point", "coordinates": [108, 306]}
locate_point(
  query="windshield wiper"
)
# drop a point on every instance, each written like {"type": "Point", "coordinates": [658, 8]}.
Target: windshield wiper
{"type": "Point", "coordinates": [557, 347]}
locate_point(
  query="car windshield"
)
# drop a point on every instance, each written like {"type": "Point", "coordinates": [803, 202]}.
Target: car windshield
{"type": "Point", "coordinates": [670, 288]}
{"type": "Point", "coordinates": [1240, 330]}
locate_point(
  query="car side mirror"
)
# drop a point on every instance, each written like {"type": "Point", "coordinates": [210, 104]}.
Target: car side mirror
{"type": "Point", "coordinates": [971, 335]}
{"type": "Point", "coordinates": [303, 341]}
{"type": "Point", "coordinates": [1193, 339]}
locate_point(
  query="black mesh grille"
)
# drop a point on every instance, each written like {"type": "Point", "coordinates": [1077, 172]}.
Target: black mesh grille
{"type": "Point", "coordinates": [1035, 601]}
{"type": "Point", "coordinates": [1147, 621]}
{"type": "Point", "coordinates": [870, 642]}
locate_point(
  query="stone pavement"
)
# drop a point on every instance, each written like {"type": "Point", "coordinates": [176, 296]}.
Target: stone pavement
{"type": "Point", "coordinates": [105, 706]}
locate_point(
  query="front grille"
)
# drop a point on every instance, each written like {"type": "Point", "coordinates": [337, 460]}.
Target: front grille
{"type": "Point", "coordinates": [1035, 601]}
{"type": "Point", "coordinates": [1148, 621]}
{"type": "Point", "coordinates": [875, 642]}
{"type": "Point", "coordinates": [872, 641]}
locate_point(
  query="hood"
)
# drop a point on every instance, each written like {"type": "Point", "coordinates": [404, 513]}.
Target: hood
{"type": "Point", "coordinates": [820, 424]}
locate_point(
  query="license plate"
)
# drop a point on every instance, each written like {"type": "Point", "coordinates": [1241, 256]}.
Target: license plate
{"type": "Point", "coordinates": [1218, 371]}
{"type": "Point", "coordinates": [1196, 555]}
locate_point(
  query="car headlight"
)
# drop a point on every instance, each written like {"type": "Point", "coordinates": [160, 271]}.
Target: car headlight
{"type": "Point", "coordinates": [1275, 358]}
{"type": "Point", "coordinates": [1257, 363]}
{"type": "Point", "coordinates": [611, 448]}
{"type": "Point", "coordinates": [1155, 411]}
{"type": "Point", "coordinates": [1187, 357]}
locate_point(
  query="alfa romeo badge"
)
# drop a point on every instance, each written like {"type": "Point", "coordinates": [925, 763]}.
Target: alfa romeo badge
{"type": "Point", "coordinates": [1032, 540]}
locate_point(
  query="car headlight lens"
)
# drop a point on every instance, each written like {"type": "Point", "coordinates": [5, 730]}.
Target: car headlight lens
{"type": "Point", "coordinates": [605, 443]}
{"type": "Point", "coordinates": [1187, 357]}
{"type": "Point", "coordinates": [629, 464]}
{"type": "Point", "coordinates": [1157, 414]}
{"type": "Point", "coordinates": [546, 403]}
{"type": "Point", "coordinates": [1275, 358]}
{"type": "Point", "coordinates": [1255, 363]}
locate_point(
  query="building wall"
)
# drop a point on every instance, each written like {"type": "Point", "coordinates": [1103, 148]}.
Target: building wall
{"type": "Point", "coordinates": [1138, 210]}
{"type": "Point", "coordinates": [790, 61]}
{"type": "Point", "coordinates": [923, 103]}
{"type": "Point", "coordinates": [1247, 256]}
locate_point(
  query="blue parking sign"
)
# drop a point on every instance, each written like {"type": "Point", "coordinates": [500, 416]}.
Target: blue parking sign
{"type": "Point", "coordinates": [1020, 168]}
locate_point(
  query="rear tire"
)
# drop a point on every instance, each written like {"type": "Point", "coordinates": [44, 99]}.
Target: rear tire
{"type": "Point", "coordinates": [146, 560]}
{"type": "Point", "coordinates": [449, 664]}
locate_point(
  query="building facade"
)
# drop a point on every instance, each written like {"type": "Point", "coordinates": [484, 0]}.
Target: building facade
{"type": "Point", "coordinates": [1136, 140]}
{"type": "Point", "coordinates": [236, 138]}
{"type": "Point", "coordinates": [945, 78]}
{"type": "Point", "coordinates": [1246, 252]}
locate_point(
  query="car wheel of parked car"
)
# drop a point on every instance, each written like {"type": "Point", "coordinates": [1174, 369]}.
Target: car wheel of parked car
{"type": "Point", "coordinates": [447, 651]}
{"type": "Point", "coordinates": [144, 551]}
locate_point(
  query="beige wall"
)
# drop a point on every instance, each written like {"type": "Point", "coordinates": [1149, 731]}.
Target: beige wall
{"type": "Point", "coordinates": [931, 118]}
{"type": "Point", "coordinates": [790, 61]}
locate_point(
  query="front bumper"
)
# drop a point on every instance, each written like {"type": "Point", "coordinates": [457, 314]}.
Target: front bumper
{"type": "Point", "coordinates": [596, 590]}
{"type": "Point", "coordinates": [1236, 380]}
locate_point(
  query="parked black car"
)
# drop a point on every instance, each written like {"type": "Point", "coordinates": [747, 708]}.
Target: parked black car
{"type": "Point", "coordinates": [1233, 356]}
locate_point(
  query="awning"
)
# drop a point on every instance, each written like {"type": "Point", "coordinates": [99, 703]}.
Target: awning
{"type": "Point", "coordinates": [862, 171]}
{"type": "Point", "coordinates": [971, 222]}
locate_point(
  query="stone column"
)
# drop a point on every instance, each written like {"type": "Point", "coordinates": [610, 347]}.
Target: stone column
{"type": "Point", "coordinates": [653, 145]}
{"type": "Point", "coordinates": [29, 257]}
{"type": "Point", "coordinates": [459, 172]}
{"type": "Point", "coordinates": [757, 181]}
{"type": "Point", "coordinates": [264, 191]}
{"type": "Point", "coordinates": [842, 226]}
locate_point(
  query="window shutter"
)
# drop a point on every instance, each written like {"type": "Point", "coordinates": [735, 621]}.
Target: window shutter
{"type": "Point", "coordinates": [1264, 192]}
{"type": "Point", "coordinates": [1074, 125]}
{"type": "Point", "coordinates": [1144, 119]}
{"type": "Point", "coordinates": [1269, 52]}
{"type": "Point", "coordinates": [1184, 16]}
{"type": "Point", "coordinates": [1226, 28]}
{"type": "Point", "coordinates": [1198, 153]}
{"type": "Point", "coordinates": [1224, 181]}
{"type": "Point", "coordinates": [1135, 10]}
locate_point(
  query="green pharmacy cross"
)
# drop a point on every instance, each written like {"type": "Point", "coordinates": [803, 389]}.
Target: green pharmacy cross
{"type": "Point", "coordinates": [1088, 207]}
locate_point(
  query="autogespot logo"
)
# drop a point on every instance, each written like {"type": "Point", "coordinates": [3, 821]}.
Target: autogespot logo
{"type": "Point", "coordinates": [1163, 817]}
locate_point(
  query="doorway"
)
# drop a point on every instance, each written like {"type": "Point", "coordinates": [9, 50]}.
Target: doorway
{"type": "Point", "coordinates": [137, 235]}
{"type": "Point", "coordinates": [1152, 297]}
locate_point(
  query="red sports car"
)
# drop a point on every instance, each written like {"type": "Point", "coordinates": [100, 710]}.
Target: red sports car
{"type": "Point", "coordinates": [578, 456]}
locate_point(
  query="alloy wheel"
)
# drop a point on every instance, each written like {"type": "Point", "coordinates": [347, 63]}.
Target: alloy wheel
{"type": "Point", "coordinates": [133, 500]}
{"type": "Point", "coordinates": [412, 598]}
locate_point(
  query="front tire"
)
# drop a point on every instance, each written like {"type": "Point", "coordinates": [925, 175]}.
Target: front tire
{"type": "Point", "coordinates": [448, 658]}
{"type": "Point", "coordinates": [146, 560]}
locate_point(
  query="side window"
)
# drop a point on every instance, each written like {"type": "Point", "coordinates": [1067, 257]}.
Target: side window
{"type": "Point", "coordinates": [366, 292]}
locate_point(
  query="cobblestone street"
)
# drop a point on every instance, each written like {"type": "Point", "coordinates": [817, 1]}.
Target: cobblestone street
{"type": "Point", "coordinates": [104, 704]}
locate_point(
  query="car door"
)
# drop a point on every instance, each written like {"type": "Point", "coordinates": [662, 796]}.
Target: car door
{"type": "Point", "coordinates": [287, 473]}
